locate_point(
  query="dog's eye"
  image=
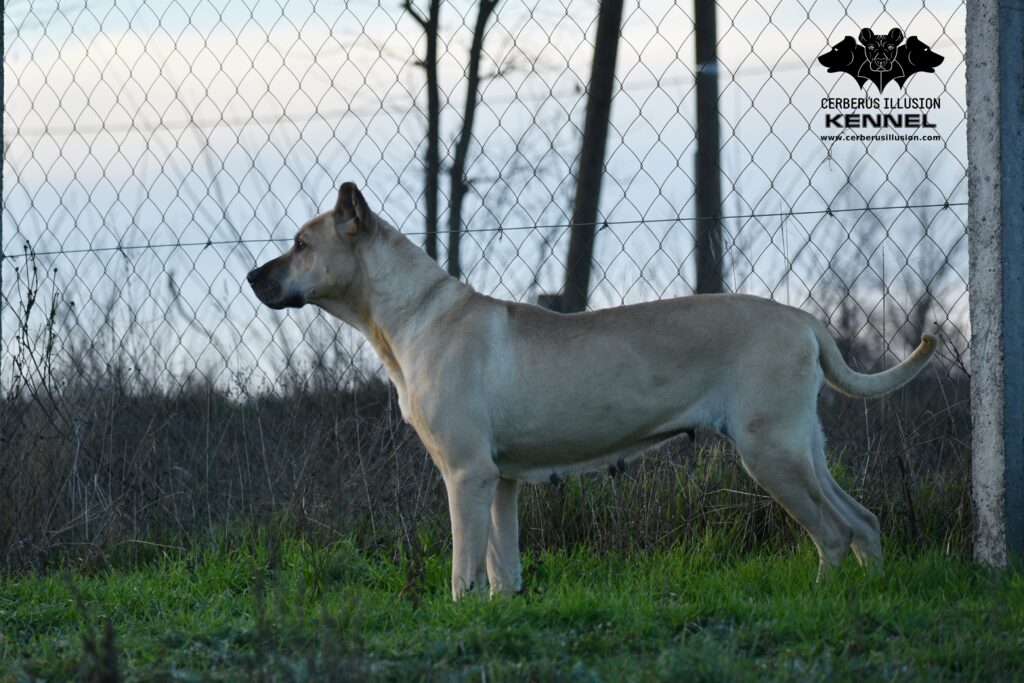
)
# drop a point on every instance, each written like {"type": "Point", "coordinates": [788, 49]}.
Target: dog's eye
{"type": "Point", "coordinates": [299, 245]}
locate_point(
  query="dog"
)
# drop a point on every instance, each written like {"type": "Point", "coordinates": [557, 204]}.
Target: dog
{"type": "Point", "coordinates": [502, 393]}
{"type": "Point", "coordinates": [915, 57]}
{"type": "Point", "coordinates": [846, 56]}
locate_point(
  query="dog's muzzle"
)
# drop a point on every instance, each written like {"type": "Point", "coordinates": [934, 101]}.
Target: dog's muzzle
{"type": "Point", "coordinates": [881, 64]}
{"type": "Point", "coordinates": [267, 289]}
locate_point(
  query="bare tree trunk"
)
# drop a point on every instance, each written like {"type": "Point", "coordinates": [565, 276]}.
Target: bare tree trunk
{"type": "Point", "coordinates": [708, 170]}
{"type": "Point", "coordinates": [592, 152]}
{"type": "Point", "coordinates": [459, 185]}
{"type": "Point", "coordinates": [432, 161]}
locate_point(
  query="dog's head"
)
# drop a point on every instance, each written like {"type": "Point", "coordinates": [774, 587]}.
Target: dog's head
{"type": "Point", "coordinates": [844, 56]}
{"type": "Point", "coordinates": [881, 50]}
{"type": "Point", "coordinates": [920, 57]}
{"type": "Point", "coordinates": [322, 263]}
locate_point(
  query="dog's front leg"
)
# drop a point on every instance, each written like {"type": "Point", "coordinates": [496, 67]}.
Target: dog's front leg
{"type": "Point", "coordinates": [503, 566]}
{"type": "Point", "coordinates": [470, 494]}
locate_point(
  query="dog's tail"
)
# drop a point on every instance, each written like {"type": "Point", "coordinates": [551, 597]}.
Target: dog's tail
{"type": "Point", "coordinates": [858, 385]}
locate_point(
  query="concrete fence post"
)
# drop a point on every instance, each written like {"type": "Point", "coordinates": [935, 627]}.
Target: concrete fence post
{"type": "Point", "coordinates": [995, 152]}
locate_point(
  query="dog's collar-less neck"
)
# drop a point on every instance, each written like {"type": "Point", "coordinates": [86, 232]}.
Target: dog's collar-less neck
{"type": "Point", "coordinates": [396, 298]}
{"type": "Point", "coordinates": [429, 293]}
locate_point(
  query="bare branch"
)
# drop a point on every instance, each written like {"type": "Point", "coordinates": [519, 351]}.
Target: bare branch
{"type": "Point", "coordinates": [416, 14]}
{"type": "Point", "coordinates": [459, 185]}
{"type": "Point", "coordinates": [432, 158]}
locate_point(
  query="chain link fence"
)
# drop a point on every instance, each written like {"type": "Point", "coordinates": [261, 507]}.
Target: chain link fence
{"type": "Point", "coordinates": [155, 152]}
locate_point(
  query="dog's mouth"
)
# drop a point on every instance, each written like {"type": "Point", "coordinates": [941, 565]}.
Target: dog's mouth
{"type": "Point", "coordinates": [295, 301]}
{"type": "Point", "coordinates": [269, 293]}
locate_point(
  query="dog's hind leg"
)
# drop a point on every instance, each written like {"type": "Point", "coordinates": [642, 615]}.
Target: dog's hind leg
{"type": "Point", "coordinates": [867, 536]}
{"type": "Point", "coordinates": [866, 543]}
{"type": "Point", "coordinates": [503, 566]}
{"type": "Point", "coordinates": [781, 461]}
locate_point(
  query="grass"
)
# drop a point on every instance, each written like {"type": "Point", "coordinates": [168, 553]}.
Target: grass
{"type": "Point", "coordinates": [253, 608]}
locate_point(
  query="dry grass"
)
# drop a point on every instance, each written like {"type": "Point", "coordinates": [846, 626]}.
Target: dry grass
{"type": "Point", "coordinates": [112, 469]}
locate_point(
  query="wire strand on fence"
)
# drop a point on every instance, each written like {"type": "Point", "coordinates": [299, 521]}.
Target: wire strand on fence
{"type": "Point", "coordinates": [603, 224]}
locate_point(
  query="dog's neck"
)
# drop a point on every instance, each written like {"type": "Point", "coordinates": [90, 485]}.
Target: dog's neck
{"type": "Point", "coordinates": [400, 292]}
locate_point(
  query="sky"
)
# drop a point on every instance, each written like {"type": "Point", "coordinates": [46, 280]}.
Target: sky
{"type": "Point", "coordinates": [169, 124]}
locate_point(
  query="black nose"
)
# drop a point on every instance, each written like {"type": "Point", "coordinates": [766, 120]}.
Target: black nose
{"type": "Point", "coordinates": [252, 275]}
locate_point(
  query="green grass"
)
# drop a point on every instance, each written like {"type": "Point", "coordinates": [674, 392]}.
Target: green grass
{"type": "Point", "coordinates": [258, 611]}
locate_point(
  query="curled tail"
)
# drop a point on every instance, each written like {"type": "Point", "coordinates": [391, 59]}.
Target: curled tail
{"type": "Point", "coordinates": [856, 384]}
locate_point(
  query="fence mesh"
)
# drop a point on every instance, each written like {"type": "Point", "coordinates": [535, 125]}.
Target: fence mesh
{"type": "Point", "coordinates": [155, 152]}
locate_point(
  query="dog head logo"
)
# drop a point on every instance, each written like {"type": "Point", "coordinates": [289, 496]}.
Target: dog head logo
{"type": "Point", "coordinates": [881, 50]}
{"type": "Point", "coordinates": [880, 59]}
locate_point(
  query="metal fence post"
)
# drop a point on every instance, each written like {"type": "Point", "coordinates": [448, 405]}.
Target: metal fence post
{"type": "Point", "coordinates": [995, 149]}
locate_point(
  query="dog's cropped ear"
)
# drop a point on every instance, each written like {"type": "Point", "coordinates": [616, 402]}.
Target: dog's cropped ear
{"type": "Point", "coordinates": [895, 36]}
{"type": "Point", "coordinates": [866, 35]}
{"type": "Point", "coordinates": [352, 209]}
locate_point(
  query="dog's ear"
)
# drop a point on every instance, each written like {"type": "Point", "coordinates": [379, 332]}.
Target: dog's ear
{"type": "Point", "coordinates": [866, 35]}
{"type": "Point", "coordinates": [896, 36]}
{"type": "Point", "coordinates": [352, 209]}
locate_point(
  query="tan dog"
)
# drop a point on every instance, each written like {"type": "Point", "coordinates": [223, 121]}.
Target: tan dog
{"type": "Point", "coordinates": [503, 392]}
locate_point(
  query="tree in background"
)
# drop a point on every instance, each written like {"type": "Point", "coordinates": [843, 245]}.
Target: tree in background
{"type": "Point", "coordinates": [591, 158]}
{"type": "Point", "coordinates": [432, 160]}
{"type": "Point", "coordinates": [459, 184]}
{"type": "Point", "coordinates": [708, 240]}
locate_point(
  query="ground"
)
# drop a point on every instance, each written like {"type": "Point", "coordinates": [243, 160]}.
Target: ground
{"type": "Point", "coordinates": [293, 612]}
